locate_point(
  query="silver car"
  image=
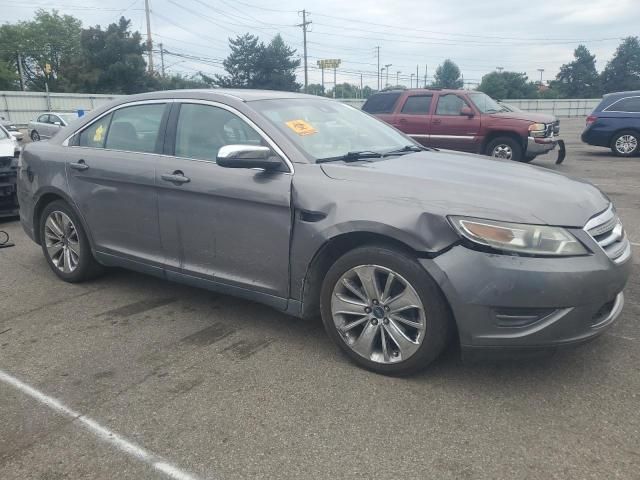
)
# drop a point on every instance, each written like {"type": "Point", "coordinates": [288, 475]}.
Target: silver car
{"type": "Point", "coordinates": [314, 207]}
{"type": "Point", "coordinates": [47, 124]}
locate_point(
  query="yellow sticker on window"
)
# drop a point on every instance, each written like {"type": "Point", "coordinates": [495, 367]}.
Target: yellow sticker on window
{"type": "Point", "coordinates": [301, 127]}
{"type": "Point", "coordinates": [97, 137]}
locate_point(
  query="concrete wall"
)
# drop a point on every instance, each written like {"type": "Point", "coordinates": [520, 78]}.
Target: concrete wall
{"type": "Point", "coordinates": [21, 107]}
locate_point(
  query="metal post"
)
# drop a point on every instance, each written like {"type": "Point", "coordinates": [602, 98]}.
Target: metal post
{"type": "Point", "coordinates": [149, 41]}
{"type": "Point", "coordinates": [20, 72]}
{"type": "Point", "coordinates": [361, 90]}
{"type": "Point", "coordinates": [379, 79]}
{"type": "Point", "coordinates": [335, 84]}
{"type": "Point", "coordinates": [161, 59]}
{"type": "Point", "coordinates": [304, 40]}
{"type": "Point", "coordinates": [417, 75]}
{"type": "Point", "coordinates": [322, 70]}
{"type": "Point", "coordinates": [46, 88]}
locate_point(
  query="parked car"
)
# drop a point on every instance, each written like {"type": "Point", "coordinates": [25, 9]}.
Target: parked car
{"type": "Point", "coordinates": [311, 206]}
{"type": "Point", "coordinates": [9, 152]}
{"type": "Point", "coordinates": [47, 124]}
{"type": "Point", "coordinates": [12, 128]}
{"type": "Point", "coordinates": [467, 121]}
{"type": "Point", "coordinates": [615, 123]}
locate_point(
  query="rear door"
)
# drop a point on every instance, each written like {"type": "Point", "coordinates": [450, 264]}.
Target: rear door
{"type": "Point", "coordinates": [414, 117]}
{"type": "Point", "coordinates": [111, 175]}
{"type": "Point", "coordinates": [229, 225]}
{"type": "Point", "coordinates": [450, 128]}
{"type": "Point", "coordinates": [43, 125]}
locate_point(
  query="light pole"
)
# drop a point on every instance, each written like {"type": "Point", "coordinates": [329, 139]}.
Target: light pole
{"type": "Point", "coordinates": [541, 70]}
{"type": "Point", "coordinates": [398, 72]}
{"type": "Point", "coordinates": [411, 81]}
{"type": "Point", "coordinates": [381, 76]}
{"type": "Point", "coordinates": [387, 70]}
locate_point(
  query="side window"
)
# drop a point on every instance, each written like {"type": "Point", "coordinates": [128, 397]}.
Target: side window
{"type": "Point", "coordinates": [43, 119]}
{"type": "Point", "coordinates": [630, 104]}
{"type": "Point", "coordinates": [381, 102]}
{"type": "Point", "coordinates": [203, 129]}
{"type": "Point", "coordinates": [417, 105]}
{"type": "Point", "coordinates": [135, 129]}
{"type": "Point", "coordinates": [95, 135]}
{"type": "Point", "coordinates": [450, 104]}
{"type": "Point", "coordinates": [54, 118]}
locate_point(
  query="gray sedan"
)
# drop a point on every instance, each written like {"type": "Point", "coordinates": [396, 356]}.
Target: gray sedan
{"type": "Point", "coordinates": [47, 124]}
{"type": "Point", "coordinates": [314, 207]}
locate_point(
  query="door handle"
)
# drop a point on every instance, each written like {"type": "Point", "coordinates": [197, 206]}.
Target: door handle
{"type": "Point", "coordinates": [176, 177]}
{"type": "Point", "coordinates": [79, 165]}
{"type": "Point", "coordinates": [437, 122]}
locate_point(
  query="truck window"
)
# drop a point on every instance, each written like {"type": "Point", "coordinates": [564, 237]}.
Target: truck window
{"type": "Point", "coordinates": [417, 105]}
{"type": "Point", "coordinates": [381, 102]}
{"type": "Point", "coordinates": [450, 104]}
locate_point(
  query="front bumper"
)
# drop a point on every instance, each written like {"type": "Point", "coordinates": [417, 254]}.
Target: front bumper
{"type": "Point", "coordinates": [514, 301]}
{"type": "Point", "coordinates": [540, 146]}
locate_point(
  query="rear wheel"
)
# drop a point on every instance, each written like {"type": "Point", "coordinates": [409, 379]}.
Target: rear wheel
{"type": "Point", "coordinates": [625, 144]}
{"type": "Point", "coordinates": [384, 311]}
{"type": "Point", "coordinates": [506, 148]}
{"type": "Point", "coordinates": [35, 136]}
{"type": "Point", "coordinates": [65, 245]}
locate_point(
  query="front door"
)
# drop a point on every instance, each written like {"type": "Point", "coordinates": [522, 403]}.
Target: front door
{"type": "Point", "coordinates": [231, 226]}
{"type": "Point", "coordinates": [111, 175]}
{"type": "Point", "coordinates": [451, 128]}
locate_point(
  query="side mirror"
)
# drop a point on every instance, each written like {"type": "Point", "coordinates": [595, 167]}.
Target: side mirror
{"type": "Point", "coordinates": [247, 156]}
{"type": "Point", "coordinates": [467, 112]}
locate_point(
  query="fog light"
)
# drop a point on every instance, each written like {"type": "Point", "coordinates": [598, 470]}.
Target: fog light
{"type": "Point", "coordinates": [520, 317]}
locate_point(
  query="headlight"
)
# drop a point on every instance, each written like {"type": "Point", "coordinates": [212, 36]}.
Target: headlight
{"type": "Point", "coordinates": [537, 129]}
{"type": "Point", "coordinates": [518, 237]}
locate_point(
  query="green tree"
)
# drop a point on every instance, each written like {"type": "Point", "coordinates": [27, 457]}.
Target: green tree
{"type": "Point", "coordinates": [242, 64]}
{"type": "Point", "coordinates": [49, 39]}
{"type": "Point", "coordinates": [277, 67]}
{"type": "Point", "coordinates": [8, 76]}
{"type": "Point", "coordinates": [315, 89]}
{"type": "Point", "coordinates": [507, 85]}
{"type": "Point", "coordinates": [251, 64]}
{"type": "Point", "coordinates": [578, 79]}
{"type": "Point", "coordinates": [448, 76]}
{"type": "Point", "coordinates": [623, 70]}
{"type": "Point", "coordinates": [109, 61]}
{"type": "Point", "coordinates": [178, 82]}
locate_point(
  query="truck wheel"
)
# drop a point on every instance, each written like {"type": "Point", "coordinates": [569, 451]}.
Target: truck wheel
{"type": "Point", "coordinates": [506, 148]}
{"type": "Point", "coordinates": [384, 310]}
{"type": "Point", "coordinates": [625, 143]}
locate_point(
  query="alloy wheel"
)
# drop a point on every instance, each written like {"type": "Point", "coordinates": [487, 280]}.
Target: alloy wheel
{"type": "Point", "coordinates": [502, 151]}
{"type": "Point", "coordinates": [626, 144]}
{"type": "Point", "coordinates": [62, 241]}
{"type": "Point", "coordinates": [378, 314]}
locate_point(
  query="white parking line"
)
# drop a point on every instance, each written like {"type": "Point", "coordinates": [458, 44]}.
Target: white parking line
{"type": "Point", "coordinates": [635, 244]}
{"type": "Point", "coordinates": [104, 434]}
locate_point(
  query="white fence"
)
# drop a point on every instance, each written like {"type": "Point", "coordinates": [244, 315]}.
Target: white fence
{"type": "Point", "coordinates": [22, 107]}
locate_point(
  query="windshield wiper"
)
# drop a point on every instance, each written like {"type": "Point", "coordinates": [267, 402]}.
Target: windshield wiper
{"type": "Point", "coordinates": [351, 156]}
{"type": "Point", "coordinates": [405, 149]}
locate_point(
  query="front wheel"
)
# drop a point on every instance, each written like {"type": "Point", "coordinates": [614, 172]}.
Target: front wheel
{"type": "Point", "coordinates": [625, 144]}
{"type": "Point", "coordinates": [35, 136]}
{"type": "Point", "coordinates": [506, 148]}
{"type": "Point", "coordinates": [384, 310]}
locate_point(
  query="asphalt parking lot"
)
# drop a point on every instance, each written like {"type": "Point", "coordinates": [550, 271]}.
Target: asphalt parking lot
{"type": "Point", "coordinates": [209, 386]}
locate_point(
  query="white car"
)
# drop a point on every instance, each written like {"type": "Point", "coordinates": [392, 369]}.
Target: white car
{"type": "Point", "coordinates": [9, 152]}
{"type": "Point", "coordinates": [11, 128]}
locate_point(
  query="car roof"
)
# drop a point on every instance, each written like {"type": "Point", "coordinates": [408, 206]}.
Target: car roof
{"type": "Point", "coordinates": [630, 93]}
{"type": "Point", "coordinates": [243, 95]}
{"type": "Point", "coordinates": [421, 90]}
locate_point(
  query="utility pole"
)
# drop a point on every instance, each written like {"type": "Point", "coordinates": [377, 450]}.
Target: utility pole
{"type": "Point", "coordinates": [304, 39]}
{"type": "Point", "coordinates": [335, 83]}
{"type": "Point", "coordinates": [20, 72]}
{"type": "Point", "coordinates": [161, 59]}
{"type": "Point", "coordinates": [361, 90]}
{"type": "Point", "coordinates": [379, 75]}
{"type": "Point", "coordinates": [425, 75]}
{"type": "Point", "coordinates": [322, 70]}
{"type": "Point", "coordinates": [398, 72]}
{"type": "Point", "coordinates": [417, 75]}
{"type": "Point", "coordinates": [387, 69]}
{"type": "Point", "coordinates": [149, 40]}
{"type": "Point", "coordinates": [411, 81]}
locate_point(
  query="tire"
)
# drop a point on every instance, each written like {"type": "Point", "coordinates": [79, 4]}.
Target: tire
{"type": "Point", "coordinates": [434, 319]}
{"type": "Point", "coordinates": [506, 148]}
{"type": "Point", "coordinates": [35, 136]}
{"type": "Point", "coordinates": [625, 143]}
{"type": "Point", "coordinates": [65, 244]}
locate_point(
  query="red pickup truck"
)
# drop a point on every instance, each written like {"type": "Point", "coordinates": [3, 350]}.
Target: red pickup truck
{"type": "Point", "coordinates": [468, 121]}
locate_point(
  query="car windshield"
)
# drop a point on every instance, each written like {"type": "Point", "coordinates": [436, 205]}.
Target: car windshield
{"type": "Point", "coordinates": [485, 103]}
{"type": "Point", "coordinates": [326, 129]}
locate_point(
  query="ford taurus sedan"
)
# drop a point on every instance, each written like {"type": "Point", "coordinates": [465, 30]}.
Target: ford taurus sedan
{"type": "Point", "coordinates": [313, 207]}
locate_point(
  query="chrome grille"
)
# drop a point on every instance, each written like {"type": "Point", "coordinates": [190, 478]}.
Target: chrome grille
{"type": "Point", "coordinates": [607, 230]}
{"type": "Point", "coordinates": [556, 127]}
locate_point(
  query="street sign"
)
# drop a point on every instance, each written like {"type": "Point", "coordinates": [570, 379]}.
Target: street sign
{"type": "Point", "coordinates": [329, 63]}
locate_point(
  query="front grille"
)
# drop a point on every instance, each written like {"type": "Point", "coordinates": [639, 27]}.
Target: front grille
{"type": "Point", "coordinates": [548, 130]}
{"type": "Point", "coordinates": [606, 229]}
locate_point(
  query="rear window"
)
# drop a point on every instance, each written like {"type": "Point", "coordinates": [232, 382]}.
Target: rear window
{"type": "Point", "coordinates": [381, 102]}
{"type": "Point", "coordinates": [629, 104]}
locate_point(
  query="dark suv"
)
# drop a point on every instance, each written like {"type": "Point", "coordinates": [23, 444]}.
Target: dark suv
{"type": "Point", "coordinates": [615, 123]}
{"type": "Point", "coordinates": [468, 121]}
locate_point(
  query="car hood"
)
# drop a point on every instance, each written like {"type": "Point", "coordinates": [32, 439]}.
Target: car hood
{"type": "Point", "coordinates": [527, 116]}
{"type": "Point", "coordinates": [452, 183]}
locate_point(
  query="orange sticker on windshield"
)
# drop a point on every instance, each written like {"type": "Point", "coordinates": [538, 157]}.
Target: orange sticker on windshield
{"type": "Point", "coordinates": [301, 127]}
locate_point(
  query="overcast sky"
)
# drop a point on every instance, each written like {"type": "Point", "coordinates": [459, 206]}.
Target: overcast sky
{"type": "Point", "coordinates": [479, 36]}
